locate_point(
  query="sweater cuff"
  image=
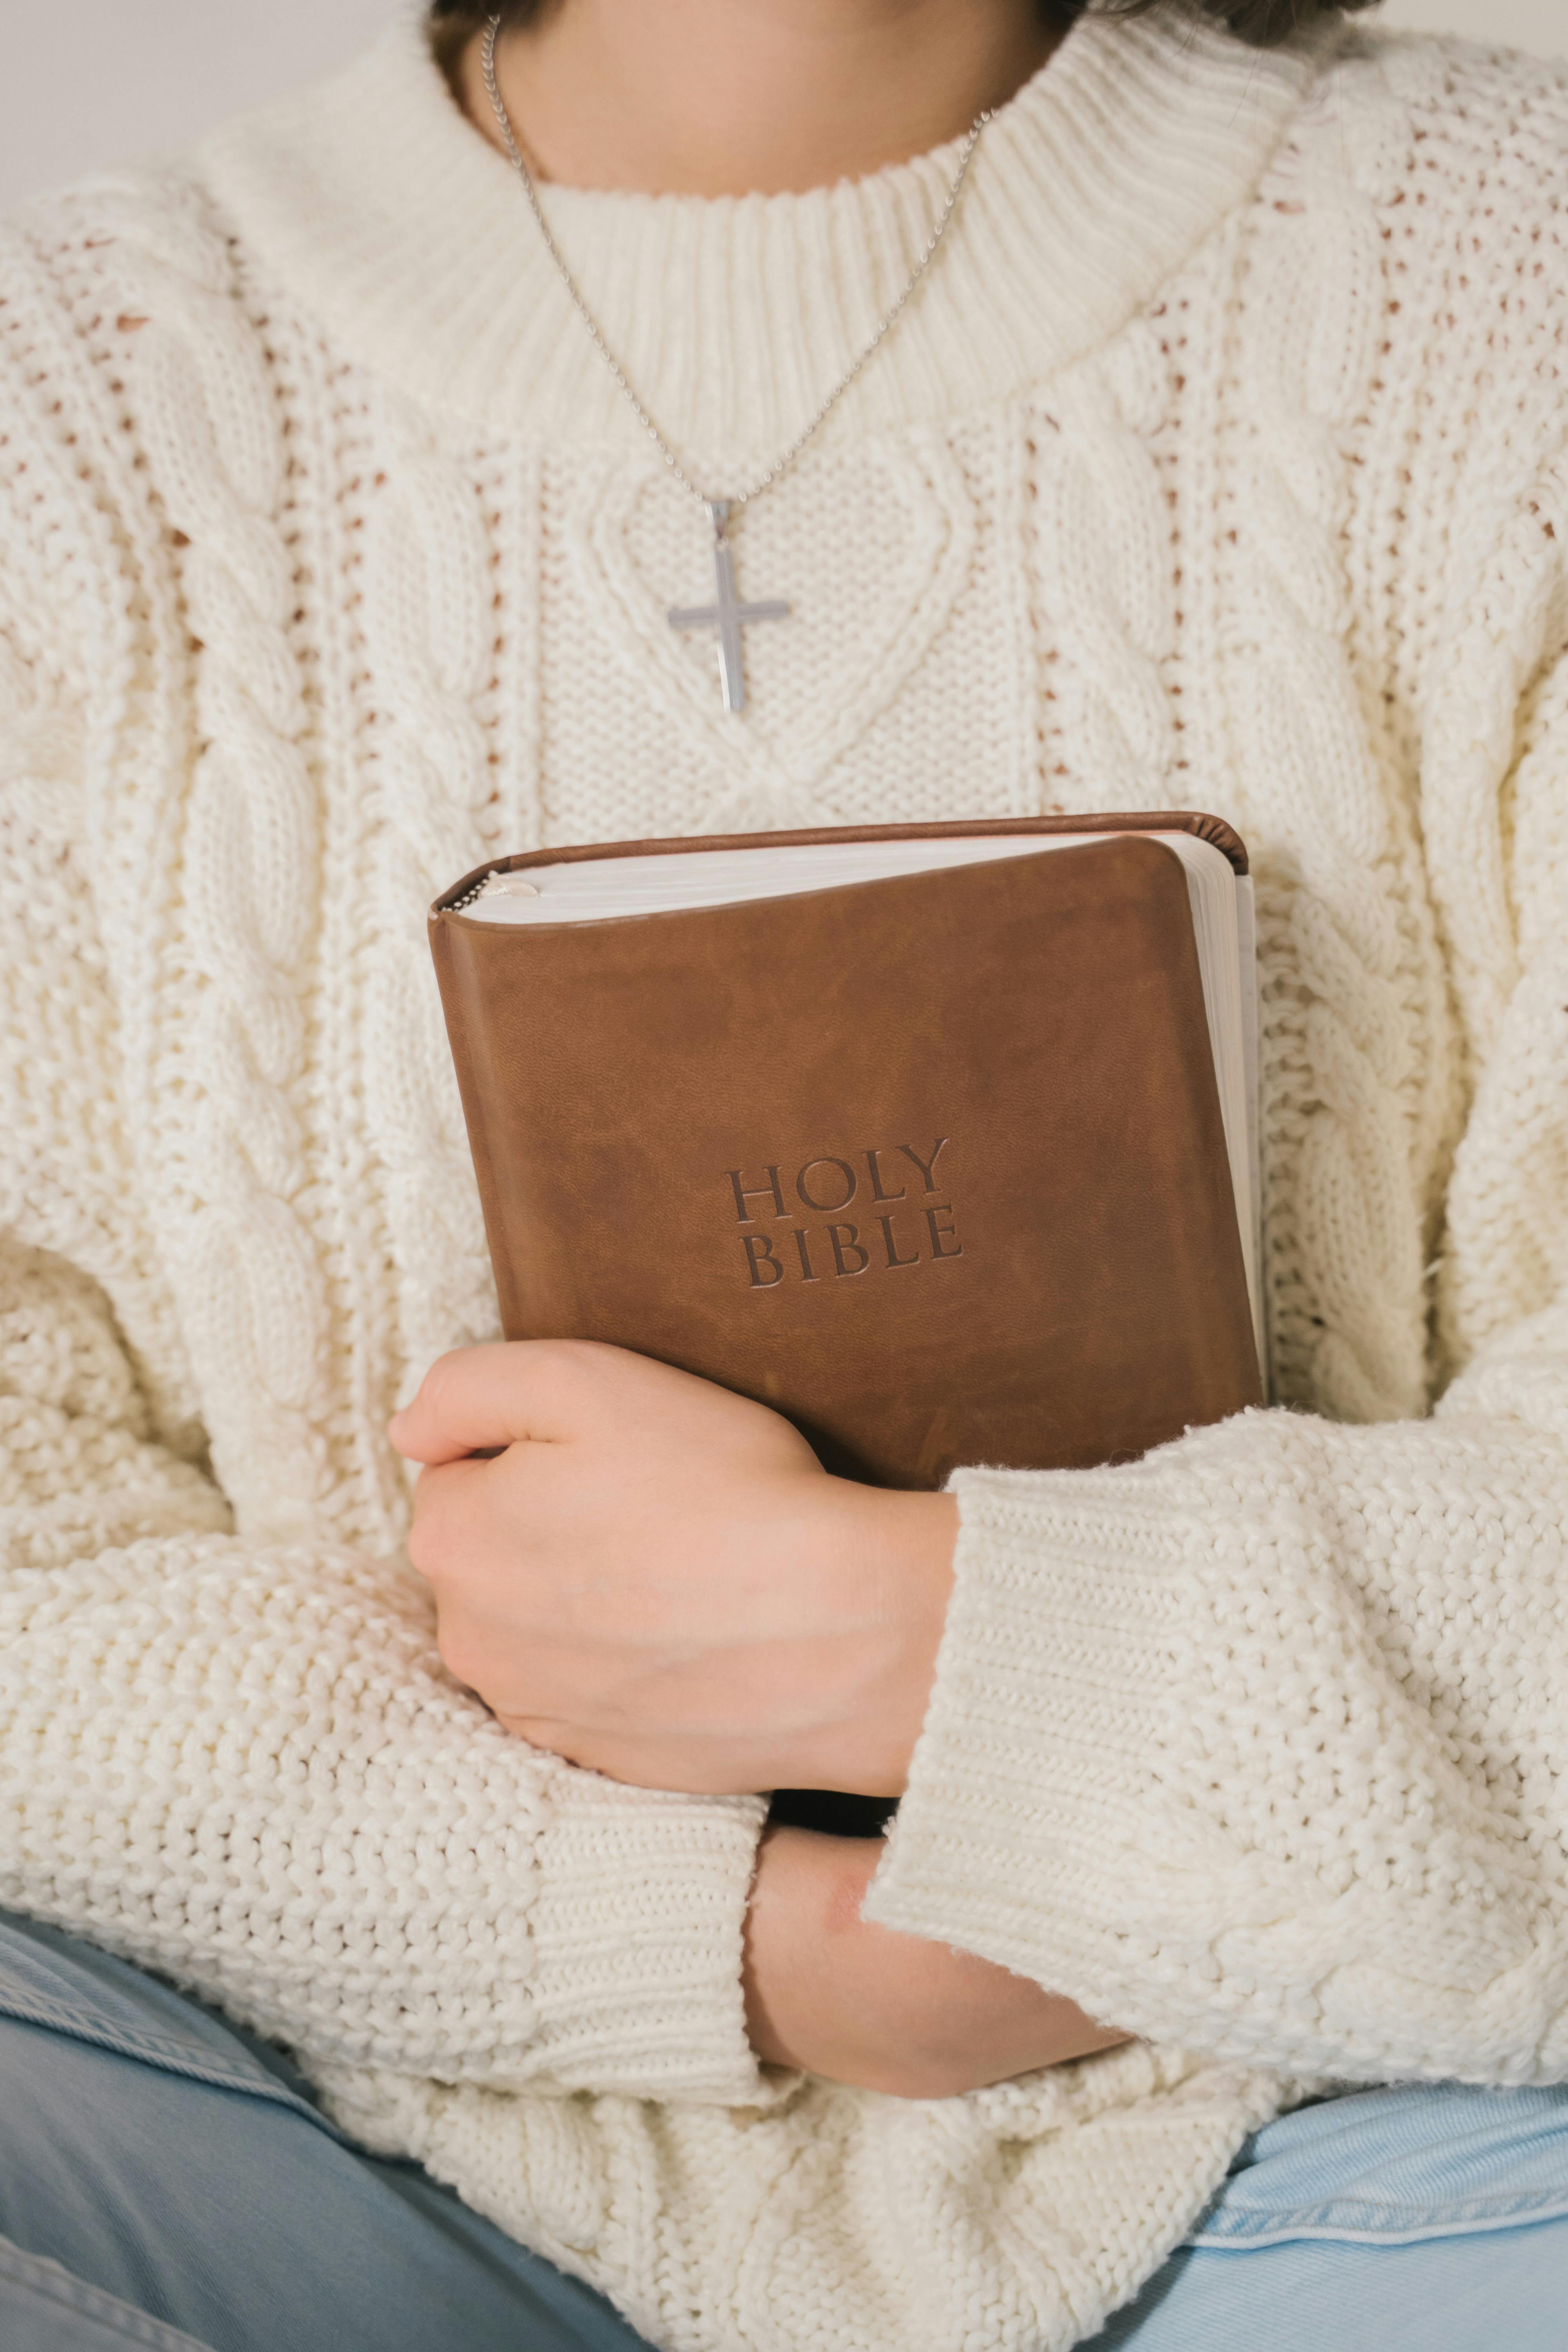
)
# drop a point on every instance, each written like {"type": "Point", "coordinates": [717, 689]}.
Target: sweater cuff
{"type": "Point", "coordinates": [1044, 1824]}
{"type": "Point", "coordinates": [637, 1919]}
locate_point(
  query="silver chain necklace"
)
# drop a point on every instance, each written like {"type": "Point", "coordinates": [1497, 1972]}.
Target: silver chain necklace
{"type": "Point", "coordinates": [727, 614]}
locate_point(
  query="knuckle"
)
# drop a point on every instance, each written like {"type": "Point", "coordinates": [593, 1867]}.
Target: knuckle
{"type": "Point", "coordinates": [566, 1380]}
{"type": "Point", "coordinates": [443, 1376]}
{"type": "Point", "coordinates": [565, 1364]}
{"type": "Point", "coordinates": [554, 1739]}
{"type": "Point", "coordinates": [459, 1650]}
{"type": "Point", "coordinates": [425, 1551]}
{"type": "Point", "coordinates": [433, 1547]}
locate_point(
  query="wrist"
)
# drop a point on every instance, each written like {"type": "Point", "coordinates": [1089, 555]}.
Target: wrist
{"type": "Point", "coordinates": [835, 1994]}
{"type": "Point", "coordinates": [897, 1548]}
{"type": "Point", "coordinates": [803, 1921]}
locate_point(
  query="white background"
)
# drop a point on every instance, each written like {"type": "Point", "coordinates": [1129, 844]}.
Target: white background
{"type": "Point", "coordinates": [84, 83]}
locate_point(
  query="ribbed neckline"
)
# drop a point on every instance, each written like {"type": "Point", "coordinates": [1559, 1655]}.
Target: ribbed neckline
{"type": "Point", "coordinates": [407, 234]}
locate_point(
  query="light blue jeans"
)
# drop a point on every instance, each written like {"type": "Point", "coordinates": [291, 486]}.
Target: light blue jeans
{"type": "Point", "coordinates": [167, 2181]}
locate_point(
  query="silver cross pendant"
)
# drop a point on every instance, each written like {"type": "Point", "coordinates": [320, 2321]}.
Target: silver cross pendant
{"type": "Point", "coordinates": [727, 614]}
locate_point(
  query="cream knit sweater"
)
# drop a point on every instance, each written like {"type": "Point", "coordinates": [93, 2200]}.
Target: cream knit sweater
{"type": "Point", "coordinates": [1222, 461]}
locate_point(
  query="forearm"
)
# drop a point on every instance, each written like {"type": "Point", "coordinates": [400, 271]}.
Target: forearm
{"type": "Point", "coordinates": [1259, 1741]}
{"type": "Point", "coordinates": [247, 1767]}
{"type": "Point", "coordinates": [834, 1994]}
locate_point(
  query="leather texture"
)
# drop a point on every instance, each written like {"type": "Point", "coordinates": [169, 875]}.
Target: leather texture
{"type": "Point", "coordinates": [933, 1164]}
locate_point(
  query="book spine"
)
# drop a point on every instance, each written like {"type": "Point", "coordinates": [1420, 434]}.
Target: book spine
{"type": "Point", "coordinates": [463, 1005]}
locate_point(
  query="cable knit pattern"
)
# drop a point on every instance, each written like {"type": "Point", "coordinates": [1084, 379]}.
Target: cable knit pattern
{"type": "Point", "coordinates": [1347, 1335]}
{"type": "Point", "coordinates": [427, 635]}
{"type": "Point", "coordinates": [211, 420]}
{"type": "Point", "coordinates": [1221, 461]}
{"type": "Point", "coordinates": [1106, 586]}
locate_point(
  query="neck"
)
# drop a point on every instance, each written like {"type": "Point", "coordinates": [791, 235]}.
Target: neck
{"type": "Point", "coordinates": [715, 98]}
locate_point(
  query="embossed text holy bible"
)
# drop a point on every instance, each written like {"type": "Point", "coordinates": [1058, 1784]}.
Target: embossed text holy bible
{"type": "Point", "coordinates": [937, 1139]}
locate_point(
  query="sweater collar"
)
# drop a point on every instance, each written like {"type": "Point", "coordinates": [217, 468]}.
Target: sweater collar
{"type": "Point", "coordinates": [407, 235]}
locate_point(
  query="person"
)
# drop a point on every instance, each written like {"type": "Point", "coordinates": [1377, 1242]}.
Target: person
{"type": "Point", "coordinates": [399, 1951]}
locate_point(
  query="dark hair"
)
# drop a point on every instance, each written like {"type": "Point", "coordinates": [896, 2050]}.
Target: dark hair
{"type": "Point", "coordinates": [1258, 21]}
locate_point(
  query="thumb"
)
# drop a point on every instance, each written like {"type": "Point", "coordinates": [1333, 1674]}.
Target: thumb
{"type": "Point", "coordinates": [482, 1400]}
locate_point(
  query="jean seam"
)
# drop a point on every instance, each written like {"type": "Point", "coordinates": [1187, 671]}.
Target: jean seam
{"type": "Point", "coordinates": [1393, 2226]}
{"type": "Point", "coordinates": [156, 2050]}
{"type": "Point", "coordinates": [53, 2284]}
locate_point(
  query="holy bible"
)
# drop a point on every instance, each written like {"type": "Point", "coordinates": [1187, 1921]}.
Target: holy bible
{"type": "Point", "coordinates": [941, 1139]}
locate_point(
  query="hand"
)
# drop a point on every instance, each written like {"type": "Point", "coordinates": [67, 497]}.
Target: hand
{"type": "Point", "coordinates": [657, 1580]}
{"type": "Point", "coordinates": [827, 1990]}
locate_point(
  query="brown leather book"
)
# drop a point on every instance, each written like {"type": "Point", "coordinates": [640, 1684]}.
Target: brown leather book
{"type": "Point", "coordinates": [935, 1163]}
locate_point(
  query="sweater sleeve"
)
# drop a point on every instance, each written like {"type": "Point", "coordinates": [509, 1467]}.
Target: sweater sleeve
{"type": "Point", "coordinates": [243, 1764]}
{"type": "Point", "coordinates": [246, 1767]}
{"type": "Point", "coordinates": [1260, 1745]}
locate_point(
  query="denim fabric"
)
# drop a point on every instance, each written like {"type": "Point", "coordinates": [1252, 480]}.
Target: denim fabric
{"type": "Point", "coordinates": [174, 2167]}
{"type": "Point", "coordinates": [1396, 2167]}
{"type": "Point", "coordinates": [44, 2309]}
{"type": "Point", "coordinates": [167, 2181]}
{"type": "Point", "coordinates": [1432, 2216]}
